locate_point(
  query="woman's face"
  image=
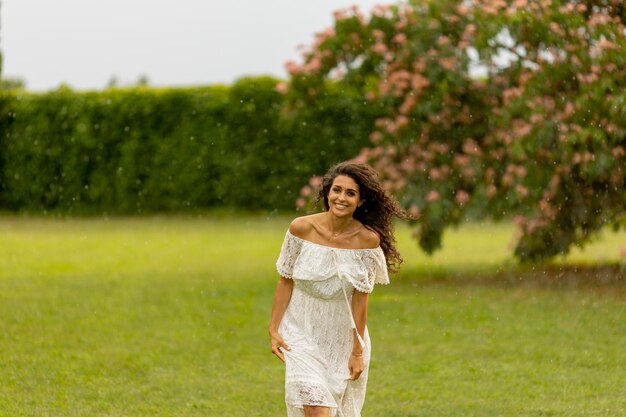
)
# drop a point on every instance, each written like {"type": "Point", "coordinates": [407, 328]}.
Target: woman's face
{"type": "Point", "coordinates": [344, 196]}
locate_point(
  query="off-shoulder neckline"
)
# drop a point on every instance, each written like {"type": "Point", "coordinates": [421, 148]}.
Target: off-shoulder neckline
{"type": "Point", "coordinates": [331, 247]}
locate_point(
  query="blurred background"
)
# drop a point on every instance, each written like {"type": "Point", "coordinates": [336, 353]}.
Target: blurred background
{"type": "Point", "coordinates": [152, 155]}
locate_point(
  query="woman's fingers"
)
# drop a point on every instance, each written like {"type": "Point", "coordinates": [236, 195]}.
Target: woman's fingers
{"type": "Point", "coordinates": [356, 368]}
{"type": "Point", "coordinates": [277, 344]}
{"type": "Point", "coordinates": [276, 351]}
{"type": "Point", "coordinates": [354, 374]}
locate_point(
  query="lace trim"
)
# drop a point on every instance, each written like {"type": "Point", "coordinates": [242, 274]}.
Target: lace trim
{"type": "Point", "coordinates": [300, 394]}
{"type": "Point", "coordinates": [361, 267]}
{"type": "Point", "coordinates": [288, 256]}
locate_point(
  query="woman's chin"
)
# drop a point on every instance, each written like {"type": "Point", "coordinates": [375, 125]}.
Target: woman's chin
{"type": "Point", "coordinates": [341, 213]}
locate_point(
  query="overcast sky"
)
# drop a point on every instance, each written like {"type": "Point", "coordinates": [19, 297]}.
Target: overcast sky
{"type": "Point", "coordinates": [173, 42]}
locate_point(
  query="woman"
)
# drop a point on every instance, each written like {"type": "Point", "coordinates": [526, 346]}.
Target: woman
{"type": "Point", "coordinates": [328, 265]}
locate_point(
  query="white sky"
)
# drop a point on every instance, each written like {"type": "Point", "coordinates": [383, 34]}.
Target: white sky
{"type": "Point", "coordinates": [173, 42]}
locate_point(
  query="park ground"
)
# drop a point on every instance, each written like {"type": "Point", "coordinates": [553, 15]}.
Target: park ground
{"type": "Point", "coordinates": [168, 316]}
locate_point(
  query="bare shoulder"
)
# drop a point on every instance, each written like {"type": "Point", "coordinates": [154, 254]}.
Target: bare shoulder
{"type": "Point", "coordinates": [302, 226]}
{"type": "Point", "coordinates": [368, 239]}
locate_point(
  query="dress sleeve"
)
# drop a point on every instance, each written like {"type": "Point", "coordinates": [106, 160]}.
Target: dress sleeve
{"type": "Point", "coordinates": [288, 255]}
{"type": "Point", "coordinates": [375, 271]}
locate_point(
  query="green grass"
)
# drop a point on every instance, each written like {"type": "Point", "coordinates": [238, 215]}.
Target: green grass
{"type": "Point", "coordinates": [168, 317]}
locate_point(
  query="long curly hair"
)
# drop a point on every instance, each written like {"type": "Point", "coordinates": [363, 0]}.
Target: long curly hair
{"type": "Point", "coordinates": [378, 208]}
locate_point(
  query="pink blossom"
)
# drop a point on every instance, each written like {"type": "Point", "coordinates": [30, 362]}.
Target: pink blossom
{"type": "Point", "coordinates": [519, 220]}
{"type": "Point", "coordinates": [378, 34]}
{"type": "Point", "coordinates": [400, 38]}
{"type": "Point", "coordinates": [507, 180]}
{"type": "Point", "coordinates": [605, 44]}
{"type": "Point", "coordinates": [435, 174]}
{"type": "Point", "coordinates": [569, 110]}
{"type": "Point", "coordinates": [315, 181]}
{"type": "Point", "coordinates": [340, 15]}
{"type": "Point", "coordinates": [414, 211]}
{"type": "Point", "coordinates": [461, 197]}
{"type": "Point", "coordinates": [599, 19]}
{"type": "Point", "coordinates": [443, 40]}
{"type": "Point", "coordinates": [419, 65]}
{"type": "Point", "coordinates": [419, 82]}
{"type": "Point", "coordinates": [461, 160]}
{"type": "Point", "coordinates": [521, 128]}
{"type": "Point", "coordinates": [535, 224]}
{"type": "Point", "coordinates": [379, 48]}
{"type": "Point", "coordinates": [470, 147]}
{"type": "Point", "coordinates": [462, 9]}
{"type": "Point", "coordinates": [376, 137]}
{"type": "Point", "coordinates": [399, 184]}
{"type": "Point", "coordinates": [521, 190]}
{"type": "Point", "coordinates": [554, 182]}
{"type": "Point", "coordinates": [468, 173]}
{"type": "Point", "coordinates": [511, 93]}
{"type": "Point", "coordinates": [618, 151]}
{"type": "Point", "coordinates": [314, 65]}
{"type": "Point", "coordinates": [447, 63]}
{"type": "Point", "coordinates": [491, 191]}
{"type": "Point", "coordinates": [306, 191]}
{"type": "Point", "coordinates": [453, 19]}
{"type": "Point", "coordinates": [401, 121]}
{"type": "Point", "coordinates": [556, 29]}
{"type": "Point", "coordinates": [408, 104]}
{"type": "Point", "coordinates": [490, 174]}
{"type": "Point", "coordinates": [381, 122]}
{"type": "Point", "coordinates": [470, 30]}
{"type": "Point", "coordinates": [282, 87]}
{"type": "Point", "coordinates": [300, 203]}
{"type": "Point", "coordinates": [432, 196]}
{"type": "Point", "coordinates": [381, 10]}
{"type": "Point", "coordinates": [292, 68]}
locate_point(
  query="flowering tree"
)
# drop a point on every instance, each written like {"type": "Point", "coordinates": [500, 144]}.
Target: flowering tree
{"type": "Point", "coordinates": [488, 108]}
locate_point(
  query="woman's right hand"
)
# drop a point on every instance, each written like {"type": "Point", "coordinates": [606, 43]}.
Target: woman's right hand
{"type": "Point", "coordinates": [277, 342]}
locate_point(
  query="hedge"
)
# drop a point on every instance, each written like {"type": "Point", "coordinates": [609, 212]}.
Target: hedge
{"type": "Point", "coordinates": [143, 150]}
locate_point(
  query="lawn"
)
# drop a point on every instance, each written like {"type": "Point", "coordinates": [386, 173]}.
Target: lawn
{"type": "Point", "coordinates": [167, 316]}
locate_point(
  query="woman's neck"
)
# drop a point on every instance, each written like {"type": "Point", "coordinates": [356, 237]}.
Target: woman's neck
{"type": "Point", "coordinates": [337, 225]}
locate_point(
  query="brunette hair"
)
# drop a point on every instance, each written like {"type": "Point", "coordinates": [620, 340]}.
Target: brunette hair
{"type": "Point", "coordinates": [377, 210]}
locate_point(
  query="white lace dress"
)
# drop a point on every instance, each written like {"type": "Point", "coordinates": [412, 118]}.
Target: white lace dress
{"type": "Point", "coordinates": [318, 322]}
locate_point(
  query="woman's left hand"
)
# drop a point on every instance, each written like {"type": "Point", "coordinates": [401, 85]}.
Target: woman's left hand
{"type": "Point", "coordinates": [355, 366]}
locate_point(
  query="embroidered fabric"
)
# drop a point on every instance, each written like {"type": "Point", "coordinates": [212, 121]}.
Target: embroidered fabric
{"type": "Point", "coordinates": [318, 323]}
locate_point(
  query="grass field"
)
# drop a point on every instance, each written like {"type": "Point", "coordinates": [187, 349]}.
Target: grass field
{"type": "Point", "coordinates": [167, 316]}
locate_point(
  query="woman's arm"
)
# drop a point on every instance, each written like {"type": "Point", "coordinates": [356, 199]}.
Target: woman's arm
{"type": "Point", "coordinates": [281, 301]}
{"type": "Point", "coordinates": [359, 311]}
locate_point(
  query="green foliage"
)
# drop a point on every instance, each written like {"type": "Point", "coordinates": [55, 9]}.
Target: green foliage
{"type": "Point", "coordinates": [541, 137]}
{"type": "Point", "coordinates": [11, 83]}
{"type": "Point", "coordinates": [145, 150]}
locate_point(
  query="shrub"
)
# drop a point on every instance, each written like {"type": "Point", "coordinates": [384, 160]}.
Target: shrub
{"type": "Point", "coordinates": [539, 138]}
{"type": "Point", "coordinates": [161, 150]}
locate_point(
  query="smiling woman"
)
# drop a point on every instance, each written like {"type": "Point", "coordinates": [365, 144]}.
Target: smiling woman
{"type": "Point", "coordinates": [328, 265]}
